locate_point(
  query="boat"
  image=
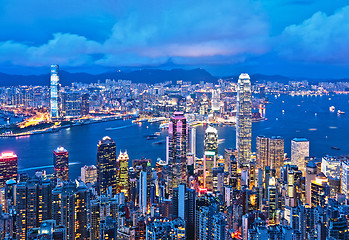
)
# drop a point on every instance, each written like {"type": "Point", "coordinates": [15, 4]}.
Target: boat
{"type": "Point", "coordinates": [157, 133]}
{"type": "Point", "coordinates": [340, 112]}
{"type": "Point", "coordinates": [332, 109]}
{"type": "Point", "coordinates": [164, 125]}
{"type": "Point", "coordinates": [335, 148]}
{"type": "Point", "coordinates": [159, 142]}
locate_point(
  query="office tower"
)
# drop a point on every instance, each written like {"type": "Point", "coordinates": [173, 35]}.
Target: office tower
{"type": "Point", "coordinates": [133, 185]}
{"type": "Point", "coordinates": [193, 141]}
{"type": "Point", "coordinates": [272, 200]}
{"type": "Point", "coordinates": [71, 104]}
{"type": "Point", "coordinates": [345, 178]}
{"type": "Point", "coordinates": [299, 151]}
{"type": "Point", "coordinates": [54, 106]}
{"type": "Point", "coordinates": [215, 100]}
{"type": "Point", "coordinates": [210, 156]}
{"type": "Point", "coordinates": [310, 175]}
{"type": "Point", "coordinates": [262, 152]}
{"type": "Point", "coordinates": [142, 202]}
{"type": "Point", "coordinates": [219, 223]}
{"type": "Point", "coordinates": [276, 153]}
{"type": "Point", "coordinates": [244, 120]}
{"type": "Point", "coordinates": [218, 180]}
{"type": "Point", "coordinates": [319, 190]}
{"type": "Point", "coordinates": [89, 174]}
{"type": "Point", "coordinates": [85, 104]}
{"type": "Point", "coordinates": [123, 181]}
{"type": "Point", "coordinates": [61, 163]}
{"type": "Point", "coordinates": [177, 149]}
{"type": "Point", "coordinates": [106, 165]}
{"type": "Point", "coordinates": [233, 176]}
{"type": "Point", "coordinates": [210, 223]}
{"type": "Point", "coordinates": [228, 157]}
{"type": "Point", "coordinates": [331, 167]}
{"type": "Point", "coordinates": [8, 167]}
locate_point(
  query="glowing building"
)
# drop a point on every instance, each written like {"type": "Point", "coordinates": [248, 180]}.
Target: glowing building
{"type": "Point", "coordinates": [299, 151]}
{"type": "Point", "coordinates": [177, 149]}
{"type": "Point", "coordinates": [244, 120]}
{"type": "Point", "coordinates": [8, 167]}
{"type": "Point", "coordinates": [210, 156]}
{"type": "Point", "coordinates": [54, 109]}
{"type": "Point", "coordinates": [61, 163]}
{"type": "Point", "coordinates": [89, 174]}
{"type": "Point", "coordinates": [123, 181]}
{"type": "Point", "coordinates": [106, 165]}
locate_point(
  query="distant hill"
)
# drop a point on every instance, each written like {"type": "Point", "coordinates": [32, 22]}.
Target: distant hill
{"type": "Point", "coordinates": [149, 76]}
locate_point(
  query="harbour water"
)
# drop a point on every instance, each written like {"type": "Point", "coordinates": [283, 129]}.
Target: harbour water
{"type": "Point", "coordinates": [303, 116]}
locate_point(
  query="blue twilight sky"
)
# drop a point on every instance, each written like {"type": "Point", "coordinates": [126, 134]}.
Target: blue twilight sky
{"type": "Point", "coordinates": [297, 38]}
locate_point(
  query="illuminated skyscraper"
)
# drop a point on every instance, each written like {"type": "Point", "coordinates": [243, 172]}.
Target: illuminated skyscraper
{"type": "Point", "coordinates": [244, 120]}
{"type": "Point", "coordinates": [123, 181]}
{"type": "Point", "coordinates": [272, 200]}
{"type": "Point", "coordinates": [319, 190]}
{"type": "Point", "coordinates": [177, 149]}
{"type": "Point", "coordinates": [106, 165]}
{"type": "Point", "coordinates": [262, 152]}
{"type": "Point", "coordinates": [8, 167]}
{"type": "Point", "coordinates": [89, 174]}
{"type": "Point", "coordinates": [142, 202]}
{"type": "Point", "coordinates": [210, 156]}
{"type": "Point", "coordinates": [299, 151]}
{"type": "Point", "coordinates": [193, 141]}
{"type": "Point", "coordinates": [54, 113]}
{"type": "Point", "coordinates": [85, 104]}
{"type": "Point", "coordinates": [61, 163]}
{"type": "Point", "coordinates": [276, 153]}
{"type": "Point", "coordinates": [310, 175]}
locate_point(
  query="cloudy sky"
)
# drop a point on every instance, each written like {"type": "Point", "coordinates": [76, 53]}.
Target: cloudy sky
{"type": "Point", "coordinates": [297, 38]}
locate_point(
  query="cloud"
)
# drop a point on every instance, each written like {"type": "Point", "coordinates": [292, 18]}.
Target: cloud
{"type": "Point", "coordinates": [321, 38]}
{"type": "Point", "coordinates": [151, 32]}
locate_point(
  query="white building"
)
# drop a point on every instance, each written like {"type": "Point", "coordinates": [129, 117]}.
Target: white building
{"type": "Point", "coordinates": [299, 151]}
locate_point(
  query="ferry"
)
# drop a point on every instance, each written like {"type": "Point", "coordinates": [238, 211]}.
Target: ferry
{"type": "Point", "coordinates": [156, 119]}
{"type": "Point", "coordinates": [164, 125]}
{"type": "Point", "coordinates": [340, 112]}
{"type": "Point", "coordinates": [332, 109]}
{"type": "Point", "coordinates": [335, 148]}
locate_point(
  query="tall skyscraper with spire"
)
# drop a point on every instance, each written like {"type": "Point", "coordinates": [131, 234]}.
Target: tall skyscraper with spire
{"type": "Point", "coordinates": [177, 149]}
{"type": "Point", "coordinates": [106, 165]}
{"type": "Point", "coordinates": [244, 120]}
{"type": "Point", "coordinates": [54, 110]}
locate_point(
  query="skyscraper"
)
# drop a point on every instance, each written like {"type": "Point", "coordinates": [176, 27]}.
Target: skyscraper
{"type": "Point", "coordinates": [106, 165]}
{"type": "Point", "coordinates": [215, 100]}
{"type": "Point", "coordinates": [262, 152]}
{"type": "Point", "coordinates": [89, 174]}
{"type": "Point", "coordinates": [177, 149]}
{"type": "Point", "coordinates": [310, 175]}
{"type": "Point", "coordinates": [123, 181]}
{"type": "Point", "coordinates": [8, 167]}
{"type": "Point", "coordinates": [61, 163]}
{"type": "Point", "coordinates": [71, 104]}
{"type": "Point", "coordinates": [54, 110]}
{"type": "Point", "coordinates": [299, 151]}
{"type": "Point", "coordinates": [193, 141]}
{"type": "Point", "coordinates": [210, 156]}
{"type": "Point", "coordinates": [244, 120]}
{"type": "Point", "coordinates": [142, 202]}
{"type": "Point", "coordinates": [276, 153]}
{"type": "Point", "coordinates": [85, 104]}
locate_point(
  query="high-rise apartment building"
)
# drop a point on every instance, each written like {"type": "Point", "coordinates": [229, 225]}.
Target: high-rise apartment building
{"type": "Point", "coordinates": [262, 152]}
{"type": "Point", "coordinates": [244, 120]}
{"type": "Point", "coordinates": [276, 153]}
{"type": "Point", "coordinates": [54, 104]}
{"type": "Point", "coordinates": [61, 163]}
{"type": "Point", "coordinates": [177, 149]}
{"type": "Point", "coordinates": [8, 167]}
{"type": "Point", "coordinates": [106, 165]}
{"type": "Point", "coordinates": [299, 151]}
